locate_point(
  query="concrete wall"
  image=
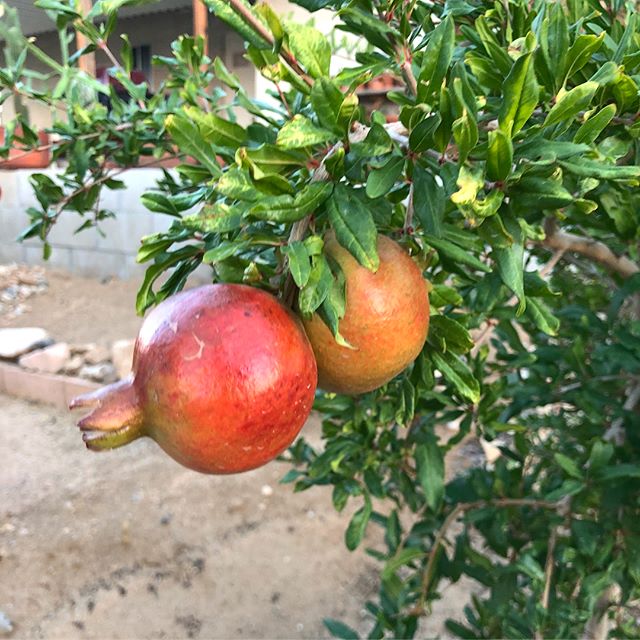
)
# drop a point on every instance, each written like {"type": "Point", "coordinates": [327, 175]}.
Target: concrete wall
{"type": "Point", "coordinates": [87, 253]}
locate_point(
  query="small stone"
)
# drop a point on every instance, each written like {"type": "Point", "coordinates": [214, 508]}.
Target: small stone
{"type": "Point", "coordinates": [6, 625]}
{"type": "Point", "coordinates": [104, 372]}
{"type": "Point", "coordinates": [97, 354]}
{"type": "Point", "coordinates": [122, 356]}
{"type": "Point", "coordinates": [81, 349]}
{"type": "Point", "coordinates": [48, 360]}
{"type": "Point", "coordinates": [15, 342]}
{"type": "Point", "coordinates": [73, 365]}
{"type": "Point", "coordinates": [266, 490]}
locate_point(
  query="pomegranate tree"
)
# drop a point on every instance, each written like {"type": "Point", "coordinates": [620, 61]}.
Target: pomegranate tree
{"type": "Point", "coordinates": [499, 142]}
{"type": "Point", "coordinates": [223, 380]}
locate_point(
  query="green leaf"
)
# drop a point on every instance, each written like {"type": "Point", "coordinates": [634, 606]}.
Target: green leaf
{"type": "Point", "coordinates": [224, 250]}
{"type": "Point", "coordinates": [403, 557]}
{"type": "Point", "coordinates": [458, 374]}
{"type": "Point", "coordinates": [299, 264]}
{"type": "Point", "coordinates": [430, 472]}
{"type": "Point", "coordinates": [301, 132]}
{"type": "Point", "coordinates": [267, 160]}
{"type": "Point", "coordinates": [568, 465]}
{"type": "Point", "coordinates": [595, 125]}
{"type": "Point", "coordinates": [429, 201]}
{"type": "Point", "coordinates": [456, 253]}
{"type": "Point", "coordinates": [217, 130]}
{"type": "Point", "coordinates": [354, 227]}
{"type": "Point", "coordinates": [571, 103]}
{"type": "Point", "coordinates": [310, 48]}
{"type": "Point", "coordinates": [581, 51]}
{"type": "Point", "coordinates": [146, 297]}
{"type": "Point", "coordinates": [381, 180]}
{"type": "Point", "coordinates": [223, 10]}
{"type": "Point", "coordinates": [540, 193]}
{"type": "Point", "coordinates": [336, 628]}
{"type": "Point", "coordinates": [318, 285]}
{"type": "Point", "coordinates": [449, 334]}
{"type": "Point", "coordinates": [520, 96]}
{"type": "Point", "coordinates": [499, 155]}
{"type": "Point", "coordinates": [465, 133]}
{"type": "Point", "coordinates": [620, 471]}
{"type": "Point", "coordinates": [334, 306]}
{"type": "Point", "coordinates": [236, 184]}
{"type": "Point", "coordinates": [326, 99]}
{"type": "Point", "coordinates": [436, 59]}
{"type": "Point", "coordinates": [289, 208]}
{"type": "Point", "coordinates": [421, 137]}
{"type": "Point", "coordinates": [358, 525]}
{"type": "Point", "coordinates": [217, 217]}
{"type": "Point", "coordinates": [604, 171]}
{"type": "Point", "coordinates": [510, 261]}
{"type": "Point", "coordinates": [377, 143]}
{"type": "Point", "coordinates": [159, 203]}
{"type": "Point", "coordinates": [542, 316]}
{"type": "Point", "coordinates": [189, 139]}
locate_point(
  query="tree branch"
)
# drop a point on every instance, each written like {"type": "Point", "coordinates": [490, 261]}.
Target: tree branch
{"type": "Point", "coordinates": [598, 251]}
{"type": "Point", "coordinates": [265, 34]}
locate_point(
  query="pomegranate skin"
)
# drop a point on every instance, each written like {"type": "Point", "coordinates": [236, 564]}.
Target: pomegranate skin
{"type": "Point", "coordinates": [223, 380]}
{"type": "Point", "coordinates": [386, 321]}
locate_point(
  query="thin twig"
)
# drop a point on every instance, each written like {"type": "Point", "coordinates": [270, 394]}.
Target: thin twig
{"type": "Point", "coordinates": [460, 508]}
{"type": "Point", "coordinates": [49, 145]}
{"type": "Point", "coordinates": [408, 216]}
{"type": "Point", "coordinates": [548, 567]}
{"type": "Point", "coordinates": [265, 34]}
{"type": "Point", "coordinates": [485, 334]}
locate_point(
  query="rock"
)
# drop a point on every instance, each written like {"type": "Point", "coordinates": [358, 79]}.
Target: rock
{"type": "Point", "coordinates": [73, 365]}
{"type": "Point", "coordinates": [122, 356]}
{"type": "Point", "coordinates": [5, 624]}
{"type": "Point", "coordinates": [15, 342]}
{"type": "Point", "coordinates": [81, 349]}
{"type": "Point", "coordinates": [49, 360]}
{"type": "Point", "coordinates": [96, 354]}
{"type": "Point", "coordinates": [104, 372]}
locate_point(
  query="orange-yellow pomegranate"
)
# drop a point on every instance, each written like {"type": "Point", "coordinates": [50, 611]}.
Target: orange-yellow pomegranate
{"type": "Point", "coordinates": [386, 321]}
{"type": "Point", "coordinates": [223, 380]}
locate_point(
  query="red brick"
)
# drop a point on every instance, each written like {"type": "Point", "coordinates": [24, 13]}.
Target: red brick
{"type": "Point", "coordinates": [40, 387]}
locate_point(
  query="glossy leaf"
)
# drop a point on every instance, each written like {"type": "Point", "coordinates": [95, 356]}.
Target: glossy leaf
{"type": "Point", "coordinates": [354, 227]}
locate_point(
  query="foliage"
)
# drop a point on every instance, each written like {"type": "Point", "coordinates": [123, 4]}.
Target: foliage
{"type": "Point", "coordinates": [518, 123]}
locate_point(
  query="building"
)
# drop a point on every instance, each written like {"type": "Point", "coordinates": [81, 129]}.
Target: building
{"type": "Point", "coordinates": [151, 29]}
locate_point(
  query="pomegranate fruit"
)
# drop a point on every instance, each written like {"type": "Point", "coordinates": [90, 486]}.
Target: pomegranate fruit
{"type": "Point", "coordinates": [223, 380]}
{"type": "Point", "coordinates": [386, 321]}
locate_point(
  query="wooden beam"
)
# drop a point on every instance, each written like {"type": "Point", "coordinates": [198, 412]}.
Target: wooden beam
{"type": "Point", "coordinates": [87, 62]}
{"type": "Point", "coordinates": [201, 22]}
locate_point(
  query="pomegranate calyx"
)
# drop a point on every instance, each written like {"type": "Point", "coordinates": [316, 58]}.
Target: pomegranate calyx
{"type": "Point", "coordinates": [116, 418]}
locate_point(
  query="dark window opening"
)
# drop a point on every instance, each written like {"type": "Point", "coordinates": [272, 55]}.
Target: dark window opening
{"type": "Point", "coordinates": [142, 59]}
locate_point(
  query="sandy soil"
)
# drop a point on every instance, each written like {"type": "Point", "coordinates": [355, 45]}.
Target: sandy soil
{"type": "Point", "coordinates": [128, 544]}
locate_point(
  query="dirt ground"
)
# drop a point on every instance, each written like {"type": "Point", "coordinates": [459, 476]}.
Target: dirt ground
{"type": "Point", "coordinates": [128, 544]}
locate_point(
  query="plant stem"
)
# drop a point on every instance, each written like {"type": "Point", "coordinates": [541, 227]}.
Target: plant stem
{"type": "Point", "coordinates": [460, 508]}
{"type": "Point", "coordinates": [266, 35]}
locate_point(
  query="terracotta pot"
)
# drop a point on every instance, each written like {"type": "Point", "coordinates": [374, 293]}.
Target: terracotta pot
{"type": "Point", "coordinates": [18, 159]}
{"type": "Point", "coordinates": [377, 84]}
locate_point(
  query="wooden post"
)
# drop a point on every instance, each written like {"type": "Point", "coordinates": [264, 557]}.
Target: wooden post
{"type": "Point", "coordinates": [87, 62]}
{"type": "Point", "coordinates": [201, 22]}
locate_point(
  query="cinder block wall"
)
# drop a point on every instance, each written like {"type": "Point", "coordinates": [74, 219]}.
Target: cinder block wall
{"type": "Point", "coordinates": [87, 253]}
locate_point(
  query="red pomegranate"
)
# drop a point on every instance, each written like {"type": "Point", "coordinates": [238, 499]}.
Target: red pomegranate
{"type": "Point", "coordinates": [223, 380]}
